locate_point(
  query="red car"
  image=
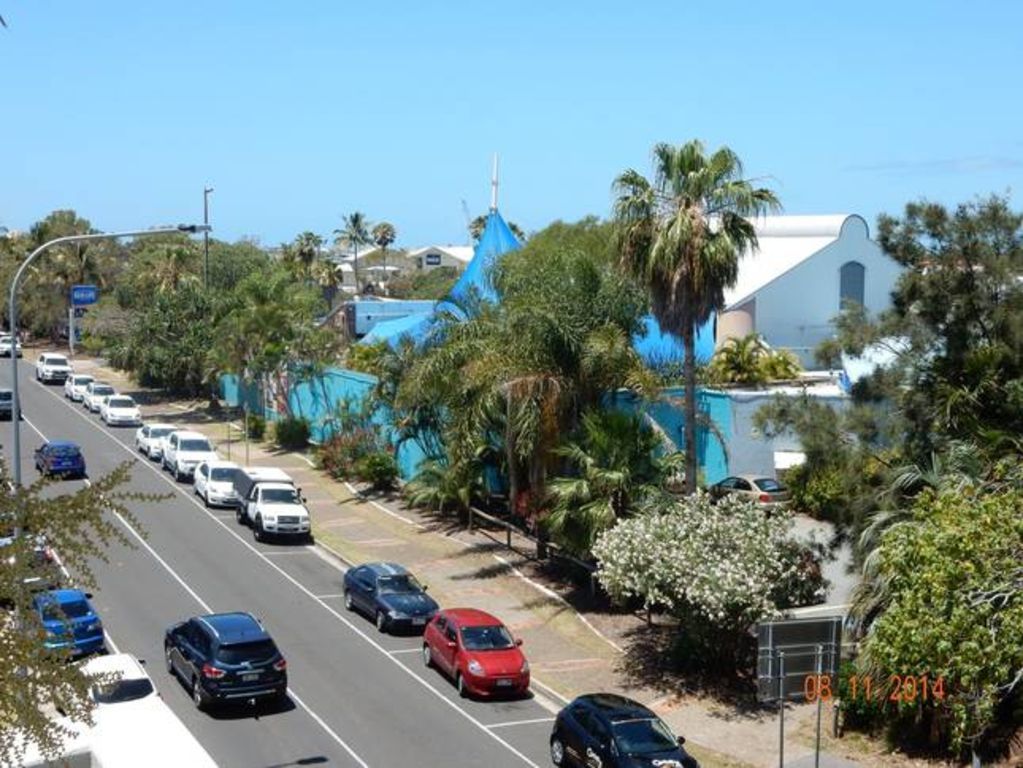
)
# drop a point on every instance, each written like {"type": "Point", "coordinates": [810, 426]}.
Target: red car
{"type": "Point", "coordinates": [478, 651]}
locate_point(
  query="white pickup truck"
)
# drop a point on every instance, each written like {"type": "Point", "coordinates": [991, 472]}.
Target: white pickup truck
{"type": "Point", "coordinates": [269, 502]}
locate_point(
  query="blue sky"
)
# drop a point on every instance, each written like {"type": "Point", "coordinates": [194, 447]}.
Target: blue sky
{"type": "Point", "coordinates": [300, 112]}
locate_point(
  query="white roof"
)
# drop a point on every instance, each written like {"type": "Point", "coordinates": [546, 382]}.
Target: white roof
{"type": "Point", "coordinates": [783, 243]}
{"type": "Point", "coordinates": [123, 664]}
{"type": "Point", "coordinates": [187, 434]}
{"type": "Point", "coordinates": [463, 253]}
{"type": "Point", "coordinates": [268, 474]}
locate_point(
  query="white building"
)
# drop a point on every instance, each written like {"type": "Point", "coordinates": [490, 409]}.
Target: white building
{"type": "Point", "coordinates": [804, 269]}
{"type": "Point", "coordinates": [433, 256]}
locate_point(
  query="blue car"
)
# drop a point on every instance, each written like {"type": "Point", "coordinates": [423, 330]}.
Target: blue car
{"type": "Point", "coordinates": [70, 621]}
{"type": "Point", "coordinates": [390, 595]}
{"type": "Point", "coordinates": [60, 457]}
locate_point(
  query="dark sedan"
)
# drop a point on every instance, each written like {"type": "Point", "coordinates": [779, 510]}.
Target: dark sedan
{"type": "Point", "coordinates": [390, 595]}
{"type": "Point", "coordinates": [615, 732]}
{"type": "Point", "coordinates": [60, 457]}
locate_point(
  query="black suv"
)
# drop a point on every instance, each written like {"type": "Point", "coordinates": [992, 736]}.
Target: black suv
{"type": "Point", "coordinates": [224, 657]}
{"type": "Point", "coordinates": [604, 730]}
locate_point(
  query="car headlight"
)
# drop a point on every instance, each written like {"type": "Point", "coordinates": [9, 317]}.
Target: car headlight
{"type": "Point", "coordinates": [394, 614]}
{"type": "Point", "coordinates": [96, 626]}
{"type": "Point", "coordinates": [525, 667]}
{"type": "Point", "coordinates": [272, 519]}
{"type": "Point", "coordinates": [475, 667]}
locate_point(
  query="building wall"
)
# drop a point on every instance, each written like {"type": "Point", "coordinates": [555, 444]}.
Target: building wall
{"type": "Point", "coordinates": [796, 310]}
{"type": "Point", "coordinates": [436, 258]}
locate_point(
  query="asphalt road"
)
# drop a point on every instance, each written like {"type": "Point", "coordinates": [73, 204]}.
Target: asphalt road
{"type": "Point", "coordinates": [357, 697]}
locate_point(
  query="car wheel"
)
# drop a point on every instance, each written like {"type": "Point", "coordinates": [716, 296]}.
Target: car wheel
{"type": "Point", "coordinates": [239, 515]}
{"type": "Point", "coordinates": [177, 473]}
{"type": "Point", "coordinates": [460, 685]}
{"type": "Point", "coordinates": [349, 606]}
{"type": "Point", "coordinates": [427, 656]}
{"type": "Point", "coordinates": [197, 695]}
{"type": "Point", "coordinates": [557, 751]}
{"type": "Point", "coordinates": [257, 529]}
{"type": "Point", "coordinates": [381, 621]}
{"type": "Point", "coordinates": [206, 499]}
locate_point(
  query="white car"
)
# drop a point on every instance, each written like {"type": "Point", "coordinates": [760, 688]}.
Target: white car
{"type": "Point", "coordinates": [121, 679]}
{"type": "Point", "coordinates": [95, 393]}
{"type": "Point", "coordinates": [120, 411]}
{"type": "Point", "coordinates": [149, 439]}
{"type": "Point", "coordinates": [51, 367]}
{"type": "Point", "coordinates": [277, 509]}
{"type": "Point", "coordinates": [183, 451]}
{"type": "Point", "coordinates": [5, 346]}
{"type": "Point", "coordinates": [214, 482]}
{"type": "Point", "coordinates": [74, 386]}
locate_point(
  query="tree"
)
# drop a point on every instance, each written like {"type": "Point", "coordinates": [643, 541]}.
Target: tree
{"type": "Point", "coordinates": [681, 236]}
{"type": "Point", "coordinates": [956, 614]}
{"type": "Point", "coordinates": [304, 253]}
{"type": "Point", "coordinates": [81, 529]}
{"type": "Point", "coordinates": [477, 225]}
{"type": "Point", "coordinates": [615, 470]}
{"type": "Point", "coordinates": [430, 284]}
{"type": "Point", "coordinates": [354, 235]}
{"type": "Point", "coordinates": [384, 234]}
{"type": "Point", "coordinates": [717, 567]}
{"type": "Point", "coordinates": [748, 360]}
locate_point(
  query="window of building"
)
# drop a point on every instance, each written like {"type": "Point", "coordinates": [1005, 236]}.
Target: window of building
{"type": "Point", "coordinates": [852, 278]}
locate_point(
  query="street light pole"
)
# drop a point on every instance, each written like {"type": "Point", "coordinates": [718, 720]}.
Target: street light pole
{"type": "Point", "coordinates": [206, 235]}
{"type": "Point", "coordinates": [189, 228]}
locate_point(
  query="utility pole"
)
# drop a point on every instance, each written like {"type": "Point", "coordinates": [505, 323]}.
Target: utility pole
{"type": "Point", "coordinates": [206, 235]}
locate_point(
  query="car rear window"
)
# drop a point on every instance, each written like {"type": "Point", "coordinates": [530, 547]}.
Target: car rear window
{"type": "Point", "coordinates": [255, 651]}
{"type": "Point", "coordinates": [65, 451]}
{"type": "Point", "coordinates": [122, 690]}
{"type": "Point", "coordinates": [223, 474]}
{"type": "Point", "coordinates": [75, 609]}
{"type": "Point", "coordinates": [195, 445]}
{"type": "Point", "coordinates": [6, 395]}
{"type": "Point", "coordinates": [103, 389]}
{"type": "Point", "coordinates": [769, 485]}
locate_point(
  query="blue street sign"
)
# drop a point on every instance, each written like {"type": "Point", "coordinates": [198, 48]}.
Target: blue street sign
{"type": "Point", "coordinates": [81, 295]}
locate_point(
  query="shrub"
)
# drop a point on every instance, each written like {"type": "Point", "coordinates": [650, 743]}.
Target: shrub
{"type": "Point", "coordinates": [256, 426]}
{"type": "Point", "coordinates": [340, 454]}
{"type": "Point", "coordinates": [379, 469]}
{"type": "Point", "coordinates": [292, 433]}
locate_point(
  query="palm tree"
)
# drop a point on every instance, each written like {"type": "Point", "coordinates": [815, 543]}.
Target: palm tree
{"type": "Point", "coordinates": [682, 236]}
{"type": "Point", "coordinates": [305, 252]}
{"type": "Point", "coordinates": [354, 234]}
{"type": "Point", "coordinates": [384, 234]}
{"type": "Point", "coordinates": [739, 361]}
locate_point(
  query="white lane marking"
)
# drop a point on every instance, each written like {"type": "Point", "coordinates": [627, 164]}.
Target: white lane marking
{"type": "Point", "coordinates": [206, 607]}
{"type": "Point", "coordinates": [406, 650]}
{"type": "Point", "coordinates": [302, 588]}
{"type": "Point", "coordinates": [282, 552]}
{"type": "Point", "coordinates": [328, 597]}
{"type": "Point", "coordinates": [110, 641]}
{"type": "Point", "coordinates": [381, 507]}
{"type": "Point", "coordinates": [534, 683]}
{"type": "Point", "coordinates": [555, 596]}
{"type": "Point", "coordinates": [522, 722]}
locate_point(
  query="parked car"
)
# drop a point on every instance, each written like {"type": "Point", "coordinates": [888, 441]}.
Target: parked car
{"type": "Point", "coordinates": [60, 457]}
{"type": "Point", "coordinates": [214, 482]}
{"type": "Point", "coordinates": [276, 509]}
{"type": "Point", "coordinates": [390, 595]}
{"type": "Point", "coordinates": [75, 384]}
{"type": "Point", "coordinates": [149, 439]}
{"type": "Point", "coordinates": [95, 393]}
{"type": "Point", "coordinates": [604, 729]}
{"type": "Point", "coordinates": [5, 346]}
{"type": "Point", "coordinates": [124, 680]}
{"type": "Point", "coordinates": [6, 403]}
{"type": "Point", "coordinates": [51, 368]}
{"type": "Point", "coordinates": [764, 491]}
{"type": "Point", "coordinates": [224, 657]}
{"type": "Point", "coordinates": [477, 651]}
{"type": "Point", "coordinates": [120, 411]}
{"type": "Point", "coordinates": [183, 451]}
{"type": "Point", "coordinates": [69, 621]}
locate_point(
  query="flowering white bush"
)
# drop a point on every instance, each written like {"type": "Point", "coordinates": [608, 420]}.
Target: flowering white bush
{"type": "Point", "coordinates": [722, 561]}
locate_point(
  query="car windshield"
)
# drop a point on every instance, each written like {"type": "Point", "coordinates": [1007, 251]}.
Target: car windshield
{"type": "Point", "coordinates": [403, 582]}
{"type": "Point", "coordinates": [486, 638]}
{"type": "Point", "coordinates": [259, 650]}
{"type": "Point", "coordinates": [160, 431]}
{"type": "Point", "coordinates": [223, 474]}
{"type": "Point", "coordinates": [103, 389]}
{"type": "Point", "coordinates": [280, 496]}
{"type": "Point", "coordinates": [122, 690]}
{"type": "Point", "coordinates": [64, 451]}
{"type": "Point", "coordinates": [56, 360]}
{"type": "Point", "coordinates": [6, 395]}
{"type": "Point", "coordinates": [196, 446]}
{"type": "Point", "coordinates": [76, 609]}
{"type": "Point", "coordinates": [642, 737]}
{"type": "Point", "coordinates": [769, 485]}
{"type": "Point", "coordinates": [120, 402]}
{"type": "Point", "coordinates": [83, 380]}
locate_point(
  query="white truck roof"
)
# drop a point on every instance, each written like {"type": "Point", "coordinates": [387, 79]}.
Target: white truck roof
{"type": "Point", "coordinates": [268, 475]}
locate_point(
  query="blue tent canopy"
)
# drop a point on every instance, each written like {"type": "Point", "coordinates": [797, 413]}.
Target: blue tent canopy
{"type": "Point", "coordinates": [497, 239]}
{"type": "Point", "coordinates": [414, 327]}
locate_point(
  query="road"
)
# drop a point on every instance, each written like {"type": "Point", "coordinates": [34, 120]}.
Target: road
{"type": "Point", "coordinates": [356, 697]}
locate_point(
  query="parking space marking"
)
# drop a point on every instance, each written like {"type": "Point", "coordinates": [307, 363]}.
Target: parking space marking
{"type": "Point", "coordinates": [405, 650]}
{"type": "Point", "coordinates": [513, 723]}
{"type": "Point", "coordinates": [305, 590]}
{"type": "Point", "coordinates": [328, 597]}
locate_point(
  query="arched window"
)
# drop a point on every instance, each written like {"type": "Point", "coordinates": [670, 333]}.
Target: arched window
{"type": "Point", "coordinates": [852, 278]}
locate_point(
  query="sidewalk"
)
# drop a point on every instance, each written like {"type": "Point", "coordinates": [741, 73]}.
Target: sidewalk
{"type": "Point", "coordinates": [570, 651]}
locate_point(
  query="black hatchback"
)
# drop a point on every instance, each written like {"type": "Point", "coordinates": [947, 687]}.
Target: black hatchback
{"type": "Point", "coordinates": [224, 657]}
{"type": "Point", "coordinates": [604, 729]}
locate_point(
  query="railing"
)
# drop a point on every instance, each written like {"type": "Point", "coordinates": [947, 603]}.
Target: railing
{"type": "Point", "coordinates": [544, 549]}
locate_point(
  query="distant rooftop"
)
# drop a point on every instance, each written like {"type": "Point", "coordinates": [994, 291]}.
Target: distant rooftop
{"type": "Point", "coordinates": [463, 253]}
